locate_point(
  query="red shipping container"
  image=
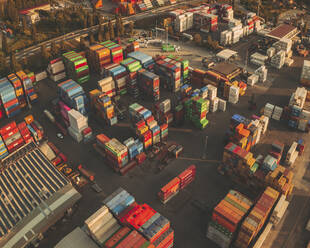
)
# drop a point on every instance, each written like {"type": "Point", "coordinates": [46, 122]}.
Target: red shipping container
{"type": "Point", "coordinates": [7, 128]}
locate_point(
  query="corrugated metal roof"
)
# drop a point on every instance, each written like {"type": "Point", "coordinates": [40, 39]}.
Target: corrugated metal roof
{"type": "Point", "coordinates": [281, 31]}
{"type": "Point", "coordinates": [77, 239]}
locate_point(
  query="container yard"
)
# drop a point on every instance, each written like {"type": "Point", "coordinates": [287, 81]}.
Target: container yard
{"type": "Point", "coordinates": [128, 144]}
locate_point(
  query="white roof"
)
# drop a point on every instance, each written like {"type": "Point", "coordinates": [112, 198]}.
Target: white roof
{"type": "Point", "coordinates": [77, 239]}
{"type": "Point", "coordinates": [226, 54]}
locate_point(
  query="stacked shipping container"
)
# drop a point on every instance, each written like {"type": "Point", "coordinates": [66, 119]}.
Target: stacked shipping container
{"type": "Point", "coordinates": [226, 218]}
{"type": "Point", "coordinates": [257, 217]}
{"type": "Point", "coordinates": [73, 95]}
{"type": "Point", "coordinates": [8, 98]}
{"type": "Point", "coordinates": [149, 84]}
{"type": "Point", "coordinates": [116, 51]}
{"type": "Point", "coordinates": [98, 56]}
{"type": "Point", "coordinates": [76, 67]}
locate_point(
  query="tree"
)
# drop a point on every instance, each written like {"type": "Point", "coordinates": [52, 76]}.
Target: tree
{"type": "Point", "coordinates": [131, 27]}
{"type": "Point", "coordinates": [100, 36]}
{"type": "Point", "coordinates": [45, 54]}
{"type": "Point", "coordinates": [34, 32]}
{"type": "Point", "coordinates": [24, 24]}
{"type": "Point", "coordinates": [111, 30]}
{"type": "Point", "coordinates": [107, 33]}
{"type": "Point", "coordinates": [197, 39]}
{"type": "Point", "coordinates": [5, 47]}
{"type": "Point", "coordinates": [122, 28]}
{"type": "Point", "coordinates": [2, 10]}
{"type": "Point", "coordinates": [3, 65]}
{"type": "Point", "coordinates": [14, 64]}
{"type": "Point", "coordinates": [82, 44]}
{"type": "Point", "coordinates": [12, 11]}
{"type": "Point", "coordinates": [91, 38]}
{"type": "Point", "coordinates": [54, 49]}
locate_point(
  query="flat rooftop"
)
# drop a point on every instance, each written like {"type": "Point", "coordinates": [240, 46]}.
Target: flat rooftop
{"type": "Point", "coordinates": [33, 196]}
{"type": "Point", "coordinates": [283, 31]}
{"type": "Point", "coordinates": [225, 68]}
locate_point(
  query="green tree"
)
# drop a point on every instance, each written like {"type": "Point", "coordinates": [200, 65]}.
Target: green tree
{"type": "Point", "coordinates": [12, 11]}
{"type": "Point", "coordinates": [2, 10]}
{"type": "Point", "coordinates": [100, 36]}
{"type": "Point", "coordinates": [54, 49]}
{"type": "Point", "coordinates": [24, 24]}
{"type": "Point", "coordinates": [122, 28]}
{"type": "Point", "coordinates": [15, 66]}
{"type": "Point", "coordinates": [45, 54]}
{"type": "Point", "coordinates": [107, 33]}
{"type": "Point", "coordinates": [131, 27]}
{"type": "Point", "coordinates": [91, 38]}
{"type": "Point", "coordinates": [5, 47]}
{"type": "Point", "coordinates": [34, 33]}
{"type": "Point", "coordinates": [82, 44]}
{"type": "Point", "coordinates": [111, 30]}
{"type": "Point", "coordinates": [3, 65]}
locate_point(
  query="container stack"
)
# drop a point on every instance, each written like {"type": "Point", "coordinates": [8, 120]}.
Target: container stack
{"type": "Point", "coordinates": [169, 72]}
{"type": "Point", "coordinates": [119, 75]}
{"type": "Point", "coordinates": [144, 221]}
{"type": "Point", "coordinates": [196, 111]}
{"type": "Point", "coordinates": [116, 153]}
{"type": "Point", "coordinates": [295, 113]}
{"type": "Point", "coordinates": [138, 116]}
{"type": "Point", "coordinates": [102, 225]}
{"type": "Point", "coordinates": [8, 98]}
{"type": "Point", "coordinates": [19, 92]}
{"type": "Point", "coordinates": [257, 217]}
{"type": "Point", "coordinates": [145, 60]}
{"type": "Point", "coordinates": [261, 72]}
{"type": "Point", "coordinates": [237, 33]}
{"type": "Point", "coordinates": [187, 176]}
{"type": "Point", "coordinates": [78, 123]}
{"type": "Point", "coordinates": [76, 67]}
{"type": "Point", "coordinates": [283, 45]}
{"type": "Point", "coordinates": [163, 132]}
{"type": "Point", "coordinates": [56, 70]}
{"type": "Point", "coordinates": [107, 86]}
{"type": "Point", "coordinates": [233, 94]}
{"type": "Point", "coordinates": [105, 109]}
{"type": "Point", "coordinates": [135, 147]}
{"type": "Point", "coordinates": [148, 4]}
{"type": "Point", "coordinates": [149, 84]}
{"type": "Point", "coordinates": [73, 95]}
{"type": "Point", "coordinates": [184, 67]}
{"type": "Point", "coordinates": [131, 48]}
{"type": "Point", "coordinates": [252, 80]}
{"type": "Point", "coordinates": [183, 22]}
{"type": "Point", "coordinates": [64, 109]}
{"type": "Point", "coordinates": [116, 51]}
{"type": "Point", "coordinates": [132, 67]}
{"type": "Point", "coordinates": [258, 59]}
{"type": "Point", "coordinates": [167, 192]}
{"type": "Point", "coordinates": [3, 151]}
{"type": "Point", "coordinates": [226, 217]}
{"type": "Point", "coordinates": [271, 51]}
{"type": "Point", "coordinates": [25, 133]}
{"type": "Point", "coordinates": [98, 56]}
{"type": "Point", "coordinates": [11, 137]}
{"type": "Point", "coordinates": [28, 86]}
{"type": "Point", "coordinates": [164, 114]}
{"type": "Point", "coordinates": [305, 73]}
{"type": "Point", "coordinates": [278, 60]}
{"type": "Point", "coordinates": [226, 38]}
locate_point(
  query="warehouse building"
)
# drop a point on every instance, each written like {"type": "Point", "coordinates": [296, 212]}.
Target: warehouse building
{"type": "Point", "coordinates": [283, 31]}
{"type": "Point", "coordinates": [34, 196]}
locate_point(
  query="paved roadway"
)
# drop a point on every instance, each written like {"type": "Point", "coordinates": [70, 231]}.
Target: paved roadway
{"type": "Point", "coordinates": [34, 49]}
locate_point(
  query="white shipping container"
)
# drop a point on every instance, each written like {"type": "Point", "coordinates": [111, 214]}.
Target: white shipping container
{"type": "Point", "coordinates": [75, 135]}
{"type": "Point", "coordinates": [41, 76]}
